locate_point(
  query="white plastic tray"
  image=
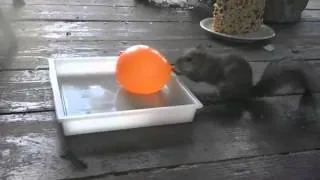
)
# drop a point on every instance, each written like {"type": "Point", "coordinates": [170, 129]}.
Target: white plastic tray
{"type": "Point", "coordinates": [88, 99]}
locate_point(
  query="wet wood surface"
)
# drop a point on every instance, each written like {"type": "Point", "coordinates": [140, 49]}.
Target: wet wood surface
{"type": "Point", "coordinates": [273, 138]}
{"type": "Point", "coordinates": [30, 141]}
{"type": "Point", "coordinates": [294, 166]}
{"type": "Point", "coordinates": [110, 13]}
{"type": "Point", "coordinates": [42, 40]}
{"type": "Point", "coordinates": [100, 13]}
{"type": "Point", "coordinates": [125, 3]}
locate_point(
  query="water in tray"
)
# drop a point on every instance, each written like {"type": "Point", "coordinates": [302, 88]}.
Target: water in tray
{"type": "Point", "coordinates": [87, 95]}
{"type": "Point", "coordinates": [100, 93]}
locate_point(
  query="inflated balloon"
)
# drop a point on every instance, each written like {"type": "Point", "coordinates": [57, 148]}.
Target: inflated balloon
{"type": "Point", "coordinates": [142, 70]}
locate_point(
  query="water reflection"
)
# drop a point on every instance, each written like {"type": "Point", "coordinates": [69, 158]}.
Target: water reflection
{"type": "Point", "coordinates": [100, 94]}
{"type": "Point", "coordinates": [98, 99]}
{"type": "Point", "coordinates": [88, 99]}
{"type": "Point", "coordinates": [128, 101]}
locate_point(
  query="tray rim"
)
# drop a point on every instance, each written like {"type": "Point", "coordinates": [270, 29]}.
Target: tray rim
{"type": "Point", "coordinates": [59, 105]}
{"type": "Point", "coordinates": [55, 89]}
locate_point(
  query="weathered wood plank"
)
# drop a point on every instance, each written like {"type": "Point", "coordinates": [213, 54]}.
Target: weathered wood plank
{"type": "Point", "coordinates": [32, 31]}
{"type": "Point", "coordinates": [39, 41]}
{"type": "Point", "coordinates": [34, 54]}
{"type": "Point", "coordinates": [313, 4]}
{"type": "Point", "coordinates": [98, 13]}
{"type": "Point", "coordinates": [30, 90]}
{"type": "Point", "coordinates": [117, 13]}
{"type": "Point", "coordinates": [29, 141]}
{"type": "Point", "coordinates": [126, 31]}
{"type": "Point", "coordinates": [294, 166]}
{"type": "Point", "coordinates": [310, 15]}
{"type": "Point", "coordinates": [76, 2]}
{"type": "Point", "coordinates": [140, 31]}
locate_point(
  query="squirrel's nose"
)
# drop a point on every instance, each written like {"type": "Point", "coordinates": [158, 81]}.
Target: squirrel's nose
{"type": "Point", "coordinates": [175, 69]}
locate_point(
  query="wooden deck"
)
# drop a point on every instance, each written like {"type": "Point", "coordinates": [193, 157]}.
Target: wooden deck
{"type": "Point", "coordinates": [277, 143]}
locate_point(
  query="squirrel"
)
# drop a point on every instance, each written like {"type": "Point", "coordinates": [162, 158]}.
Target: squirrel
{"type": "Point", "coordinates": [232, 74]}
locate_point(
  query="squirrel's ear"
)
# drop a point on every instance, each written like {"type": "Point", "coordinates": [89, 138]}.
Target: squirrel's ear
{"type": "Point", "coordinates": [200, 47]}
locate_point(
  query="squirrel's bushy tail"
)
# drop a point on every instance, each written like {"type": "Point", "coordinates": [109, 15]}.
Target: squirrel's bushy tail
{"type": "Point", "coordinates": [297, 77]}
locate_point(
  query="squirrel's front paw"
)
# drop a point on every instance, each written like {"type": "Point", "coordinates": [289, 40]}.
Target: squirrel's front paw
{"type": "Point", "coordinates": [213, 98]}
{"type": "Point", "coordinates": [216, 92]}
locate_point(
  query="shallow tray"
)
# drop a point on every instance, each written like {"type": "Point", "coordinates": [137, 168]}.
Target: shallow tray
{"type": "Point", "coordinates": [88, 99]}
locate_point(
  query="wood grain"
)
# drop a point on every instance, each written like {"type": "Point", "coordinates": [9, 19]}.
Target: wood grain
{"type": "Point", "coordinates": [35, 54]}
{"type": "Point", "coordinates": [30, 143]}
{"type": "Point", "coordinates": [116, 12]}
{"type": "Point", "coordinates": [98, 31]}
{"type": "Point", "coordinates": [39, 41]}
{"type": "Point", "coordinates": [76, 2]}
{"type": "Point", "coordinates": [310, 15]}
{"type": "Point", "coordinates": [97, 13]}
{"type": "Point", "coordinates": [31, 148]}
{"type": "Point", "coordinates": [126, 31]}
{"type": "Point", "coordinates": [140, 31]}
{"type": "Point", "coordinates": [295, 166]}
{"type": "Point", "coordinates": [313, 4]}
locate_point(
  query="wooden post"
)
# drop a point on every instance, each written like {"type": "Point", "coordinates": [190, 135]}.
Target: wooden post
{"type": "Point", "coordinates": [284, 11]}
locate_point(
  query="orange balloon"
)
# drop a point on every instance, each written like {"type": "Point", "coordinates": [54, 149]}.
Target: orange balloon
{"type": "Point", "coordinates": [142, 70]}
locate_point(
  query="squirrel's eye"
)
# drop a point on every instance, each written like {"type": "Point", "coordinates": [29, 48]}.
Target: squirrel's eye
{"type": "Point", "coordinates": [189, 59]}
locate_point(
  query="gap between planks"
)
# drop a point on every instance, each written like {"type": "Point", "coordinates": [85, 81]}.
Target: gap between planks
{"type": "Point", "coordinates": [191, 165]}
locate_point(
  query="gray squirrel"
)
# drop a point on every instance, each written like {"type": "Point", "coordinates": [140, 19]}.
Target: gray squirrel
{"type": "Point", "coordinates": [232, 75]}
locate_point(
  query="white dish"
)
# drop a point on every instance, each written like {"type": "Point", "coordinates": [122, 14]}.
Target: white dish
{"type": "Point", "coordinates": [264, 33]}
{"type": "Point", "coordinates": [88, 99]}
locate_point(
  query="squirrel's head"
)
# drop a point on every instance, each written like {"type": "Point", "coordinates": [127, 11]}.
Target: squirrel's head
{"type": "Point", "coordinates": [191, 60]}
{"type": "Point", "coordinates": [198, 65]}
